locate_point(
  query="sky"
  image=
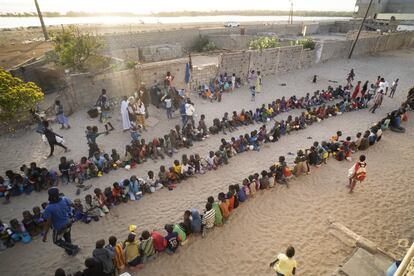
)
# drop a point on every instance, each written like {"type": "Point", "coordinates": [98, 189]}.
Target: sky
{"type": "Point", "coordinates": [145, 7]}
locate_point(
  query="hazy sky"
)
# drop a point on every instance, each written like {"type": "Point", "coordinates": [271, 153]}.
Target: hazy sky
{"type": "Point", "coordinates": [140, 6]}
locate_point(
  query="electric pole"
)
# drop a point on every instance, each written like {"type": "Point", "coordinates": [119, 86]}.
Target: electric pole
{"type": "Point", "coordinates": [39, 13]}
{"type": "Point", "coordinates": [359, 31]}
{"type": "Point", "coordinates": [290, 19]}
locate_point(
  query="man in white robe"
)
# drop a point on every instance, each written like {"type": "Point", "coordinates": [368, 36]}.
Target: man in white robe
{"type": "Point", "coordinates": [126, 124]}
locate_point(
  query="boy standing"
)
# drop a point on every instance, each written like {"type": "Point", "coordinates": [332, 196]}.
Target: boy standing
{"type": "Point", "coordinates": [357, 173]}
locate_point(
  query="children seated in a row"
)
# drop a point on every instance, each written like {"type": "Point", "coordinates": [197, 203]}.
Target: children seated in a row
{"type": "Point", "coordinates": [139, 151]}
{"type": "Point", "coordinates": [30, 226]}
{"type": "Point", "coordinates": [29, 179]}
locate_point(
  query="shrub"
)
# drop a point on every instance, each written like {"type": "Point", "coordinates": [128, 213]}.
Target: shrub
{"type": "Point", "coordinates": [203, 44]}
{"type": "Point", "coordinates": [16, 96]}
{"type": "Point", "coordinates": [131, 64]}
{"type": "Point", "coordinates": [73, 48]}
{"type": "Point", "coordinates": [308, 43]}
{"type": "Point", "coordinates": [264, 42]}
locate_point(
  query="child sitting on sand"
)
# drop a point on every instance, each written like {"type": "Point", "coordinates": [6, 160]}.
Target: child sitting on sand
{"type": "Point", "coordinates": [208, 219]}
{"type": "Point", "coordinates": [172, 239]}
{"type": "Point", "coordinates": [92, 208]}
{"type": "Point", "coordinates": [19, 233]}
{"type": "Point", "coordinates": [153, 182]}
{"type": "Point", "coordinates": [131, 251]}
{"type": "Point", "coordinates": [146, 247]}
{"type": "Point", "coordinates": [224, 206]}
{"type": "Point", "coordinates": [30, 225]}
{"type": "Point", "coordinates": [284, 263]}
{"type": "Point", "coordinates": [218, 218]}
{"type": "Point", "coordinates": [118, 255]}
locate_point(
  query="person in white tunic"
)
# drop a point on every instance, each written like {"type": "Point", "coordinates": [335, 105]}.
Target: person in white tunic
{"type": "Point", "coordinates": [126, 123]}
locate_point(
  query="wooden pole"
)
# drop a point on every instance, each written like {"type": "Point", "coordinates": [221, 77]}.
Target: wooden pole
{"type": "Point", "coordinates": [39, 13]}
{"type": "Point", "coordinates": [359, 31]}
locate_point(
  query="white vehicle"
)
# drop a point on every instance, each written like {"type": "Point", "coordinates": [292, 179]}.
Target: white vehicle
{"type": "Point", "coordinates": [232, 24]}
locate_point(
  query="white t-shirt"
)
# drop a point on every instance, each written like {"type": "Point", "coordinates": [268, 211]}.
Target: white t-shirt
{"type": "Point", "coordinates": [189, 109]}
{"type": "Point", "coordinates": [381, 86]}
{"type": "Point", "coordinates": [168, 103]}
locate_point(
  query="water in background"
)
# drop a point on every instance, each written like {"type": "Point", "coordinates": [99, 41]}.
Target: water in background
{"type": "Point", "coordinates": [14, 22]}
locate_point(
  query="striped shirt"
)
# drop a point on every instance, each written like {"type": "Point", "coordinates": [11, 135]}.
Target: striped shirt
{"type": "Point", "coordinates": [147, 247]}
{"type": "Point", "coordinates": [209, 218]}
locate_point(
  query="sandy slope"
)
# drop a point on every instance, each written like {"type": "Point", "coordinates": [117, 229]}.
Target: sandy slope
{"type": "Point", "coordinates": [262, 227]}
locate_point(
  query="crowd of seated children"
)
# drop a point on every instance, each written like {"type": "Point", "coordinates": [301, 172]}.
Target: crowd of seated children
{"type": "Point", "coordinates": [35, 178]}
{"type": "Point", "coordinates": [134, 252]}
{"type": "Point", "coordinates": [214, 90]}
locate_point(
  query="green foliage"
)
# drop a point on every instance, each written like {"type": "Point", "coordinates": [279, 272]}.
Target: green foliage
{"type": "Point", "coordinates": [204, 45]}
{"type": "Point", "coordinates": [308, 43]}
{"type": "Point", "coordinates": [74, 48]}
{"type": "Point", "coordinates": [16, 96]}
{"type": "Point", "coordinates": [131, 64]}
{"type": "Point", "coordinates": [264, 42]}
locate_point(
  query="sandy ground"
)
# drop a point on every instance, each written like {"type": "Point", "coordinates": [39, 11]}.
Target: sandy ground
{"type": "Point", "coordinates": [264, 226]}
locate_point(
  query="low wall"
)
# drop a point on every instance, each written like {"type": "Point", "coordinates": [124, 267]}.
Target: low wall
{"type": "Point", "coordinates": [151, 73]}
{"type": "Point", "coordinates": [232, 41]}
{"type": "Point", "coordinates": [86, 88]}
{"type": "Point", "coordinates": [187, 37]}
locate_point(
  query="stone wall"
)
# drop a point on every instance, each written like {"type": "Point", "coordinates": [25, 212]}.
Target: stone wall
{"type": "Point", "coordinates": [127, 54]}
{"type": "Point", "coordinates": [160, 52]}
{"type": "Point", "coordinates": [86, 88]}
{"type": "Point", "coordinates": [289, 58]}
{"type": "Point", "coordinates": [265, 61]}
{"type": "Point", "coordinates": [232, 41]}
{"type": "Point", "coordinates": [203, 75]}
{"type": "Point", "coordinates": [187, 37]}
{"type": "Point", "coordinates": [46, 75]}
{"type": "Point", "coordinates": [151, 73]}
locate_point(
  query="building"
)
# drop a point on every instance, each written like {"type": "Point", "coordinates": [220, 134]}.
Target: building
{"type": "Point", "coordinates": [385, 9]}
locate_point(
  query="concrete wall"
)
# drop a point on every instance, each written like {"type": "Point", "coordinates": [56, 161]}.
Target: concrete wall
{"type": "Point", "coordinates": [86, 88]}
{"type": "Point", "coordinates": [155, 72]}
{"type": "Point", "coordinates": [399, 6]}
{"type": "Point", "coordinates": [232, 41]}
{"type": "Point", "coordinates": [160, 52]}
{"type": "Point", "coordinates": [203, 75]}
{"type": "Point", "coordinates": [236, 62]}
{"type": "Point", "coordinates": [265, 61]}
{"type": "Point", "coordinates": [187, 37]}
{"type": "Point", "coordinates": [45, 74]}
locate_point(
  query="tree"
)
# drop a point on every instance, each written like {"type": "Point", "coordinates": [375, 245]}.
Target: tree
{"type": "Point", "coordinates": [16, 96]}
{"type": "Point", "coordinates": [74, 48]}
{"type": "Point", "coordinates": [264, 42]}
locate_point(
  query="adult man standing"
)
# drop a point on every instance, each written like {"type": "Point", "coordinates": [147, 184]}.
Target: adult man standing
{"type": "Point", "coordinates": [189, 112]}
{"type": "Point", "coordinates": [126, 123]}
{"type": "Point", "coordinates": [57, 215]}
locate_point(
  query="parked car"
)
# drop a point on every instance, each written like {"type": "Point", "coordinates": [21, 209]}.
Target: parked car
{"type": "Point", "coordinates": [232, 24]}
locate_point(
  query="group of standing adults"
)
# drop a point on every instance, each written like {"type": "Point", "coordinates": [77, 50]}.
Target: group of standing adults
{"type": "Point", "coordinates": [134, 110]}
